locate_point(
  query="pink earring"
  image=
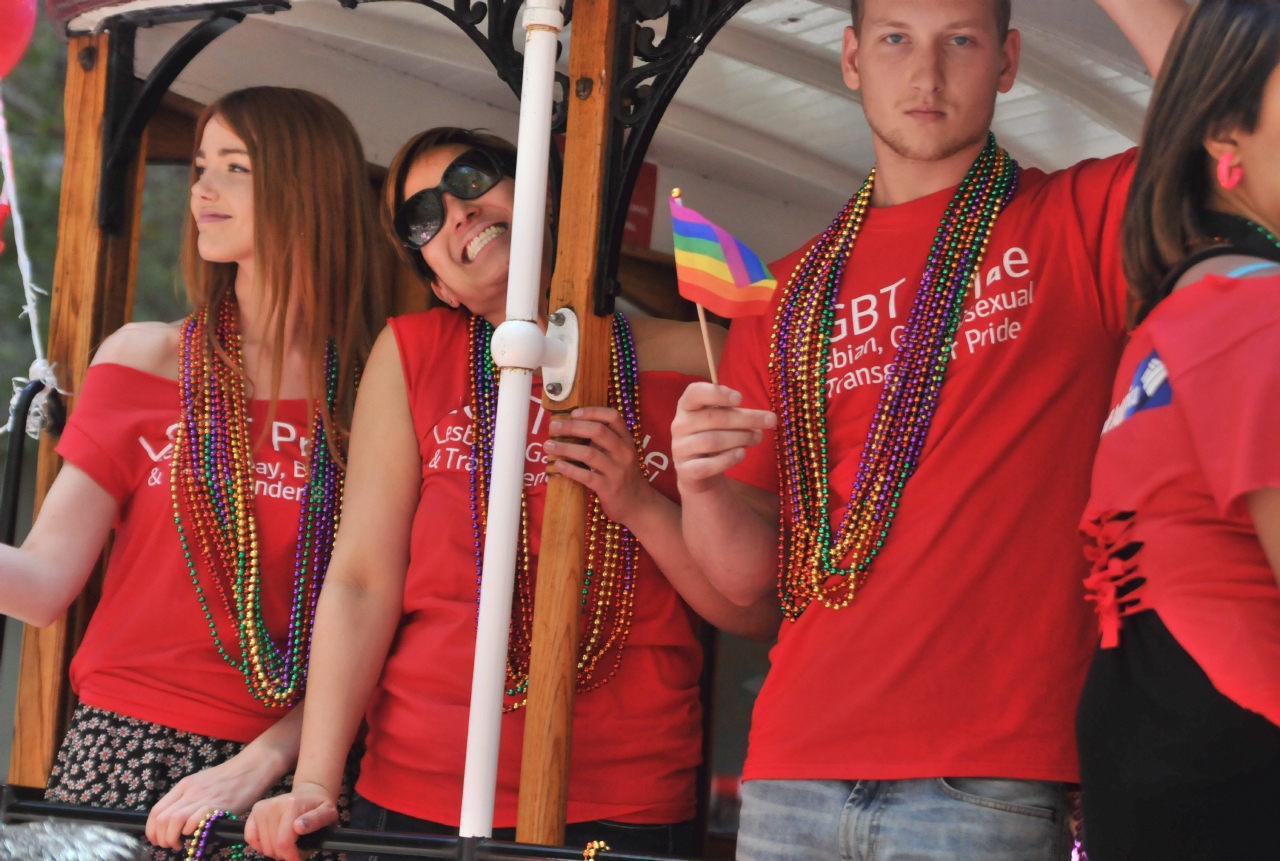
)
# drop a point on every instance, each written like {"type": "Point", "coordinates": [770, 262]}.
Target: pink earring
{"type": "Point", "coordinates": [1229, 175]}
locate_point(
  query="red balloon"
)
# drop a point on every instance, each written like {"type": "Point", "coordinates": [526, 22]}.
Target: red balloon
{"type": "Point", "coordinates": [17, 22]}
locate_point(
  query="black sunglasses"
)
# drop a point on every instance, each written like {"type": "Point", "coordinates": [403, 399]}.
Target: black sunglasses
{"type": "Point", "coordinates": [467, 177]}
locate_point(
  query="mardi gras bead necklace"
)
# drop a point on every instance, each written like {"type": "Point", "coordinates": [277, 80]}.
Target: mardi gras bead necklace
{"type": "Point", "coordinates": [608, 591]}
{"type": "Point", "coordinates": [200, 843]}
{"type": "Point", "coordinates": [213, 489]}
{"type": "Point", "coordinates": [1267, 234]}
{"type": "Point", "coordinates": [801, 338]}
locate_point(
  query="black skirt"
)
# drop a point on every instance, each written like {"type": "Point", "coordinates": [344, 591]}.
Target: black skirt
{"type": "Point", "coordinates": [1171, 768]}
{"type": "Point", "coordinates": [110, 760]}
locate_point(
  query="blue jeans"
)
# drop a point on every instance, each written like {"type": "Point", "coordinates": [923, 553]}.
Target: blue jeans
{"type": "Point", "coordinates": [932, 819]}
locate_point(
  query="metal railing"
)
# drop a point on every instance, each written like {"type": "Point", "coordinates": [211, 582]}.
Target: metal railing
{"type": "Point", "coordinates": [10, 498]}
{"type": "Point", "coordinates": [24, 804]}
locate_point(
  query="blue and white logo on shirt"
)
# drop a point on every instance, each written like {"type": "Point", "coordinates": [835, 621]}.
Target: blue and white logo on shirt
{"type": "Point", "coordinates": [1150, 389]}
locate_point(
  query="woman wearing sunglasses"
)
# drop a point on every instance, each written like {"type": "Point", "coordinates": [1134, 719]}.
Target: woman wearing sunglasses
{"type": "Point", "coordinates": [213, 447]}
{"type": "Point", "coordinates": [395, 626]}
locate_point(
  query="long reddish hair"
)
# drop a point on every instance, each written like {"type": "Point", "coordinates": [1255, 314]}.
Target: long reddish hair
{"type": "Point", "coordinates": [315, 232]}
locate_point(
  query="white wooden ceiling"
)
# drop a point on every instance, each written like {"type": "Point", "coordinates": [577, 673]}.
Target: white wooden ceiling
{"type": "Point", "coordinates": [763, 136]}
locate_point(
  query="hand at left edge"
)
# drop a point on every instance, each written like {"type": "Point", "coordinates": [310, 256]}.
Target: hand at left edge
{"type": "Point", "coordinates": [607, 463]}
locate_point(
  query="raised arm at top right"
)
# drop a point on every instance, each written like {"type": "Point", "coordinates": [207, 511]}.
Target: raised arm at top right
{"type": "Point", "coordinates": [1149, 26]}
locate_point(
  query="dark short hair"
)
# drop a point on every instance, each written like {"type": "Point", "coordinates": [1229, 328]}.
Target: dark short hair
{"type": "Point", "coordinates": [1004, 11]}
{"type": "Point", "coordinates": [398, 171]}
{"type": "Point", "coordinates": [1213, 80]}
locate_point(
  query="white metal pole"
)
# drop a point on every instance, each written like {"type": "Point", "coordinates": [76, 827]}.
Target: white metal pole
{"type": "Point", "coordinates": [518, 347]}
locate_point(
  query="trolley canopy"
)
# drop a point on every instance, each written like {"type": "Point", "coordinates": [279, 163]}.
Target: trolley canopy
{"type": "Point", "coordinates": [763, 135]}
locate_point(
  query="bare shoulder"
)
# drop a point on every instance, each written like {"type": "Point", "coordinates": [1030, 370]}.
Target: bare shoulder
{"type": "Point", "coordinates": [384, 358]}
{"type": "Point", "coordinates": [1236, 265]}
{"type": "Point", "coordinates": [382, 429]}
{"type": "Point", "coordinates": [669, 345]}
{"type": "Point", "coordinates": [148, 347]}
{"type": "Point", "coordinates": [382, 383]}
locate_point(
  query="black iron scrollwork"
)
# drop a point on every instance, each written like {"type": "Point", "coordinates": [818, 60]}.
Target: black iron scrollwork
{"type": "Point", "coordinates": [646, 85]}
{"type": "Point", "coordinates": [497, 41]}
{"type": "Point", "coordinates": [650, 70]}
{"type": "Point", "coordinates": [129, 108]}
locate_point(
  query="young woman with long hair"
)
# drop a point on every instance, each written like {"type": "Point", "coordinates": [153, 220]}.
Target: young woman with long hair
{"type": "Point", "coordinates": [395, 627]}
{"type": "Point", "coordinates": [214, 449]}
{"type": "Point", "coordinates": [1179, 722]}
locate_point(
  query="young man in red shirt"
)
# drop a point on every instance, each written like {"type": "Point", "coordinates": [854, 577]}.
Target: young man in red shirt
{"type": "Point", "coordinates": [936, 373]}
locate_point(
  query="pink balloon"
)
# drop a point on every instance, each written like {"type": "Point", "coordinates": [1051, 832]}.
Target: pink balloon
{"type": "Point", "coordinates": [17, 22]}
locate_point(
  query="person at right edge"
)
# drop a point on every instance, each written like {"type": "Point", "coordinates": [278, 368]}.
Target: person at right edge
{"type": "Point", "coordinates": [902, 447]}
{"type": "Point", "coordinates": [1177, 727]}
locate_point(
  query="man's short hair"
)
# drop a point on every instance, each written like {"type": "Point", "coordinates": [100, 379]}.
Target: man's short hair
{"type": "Point", "coordinates": [1004, 11]}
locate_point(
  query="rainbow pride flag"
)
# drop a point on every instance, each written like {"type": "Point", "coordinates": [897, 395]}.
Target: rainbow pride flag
{"type": "Point", "coordinates": [715, 269]}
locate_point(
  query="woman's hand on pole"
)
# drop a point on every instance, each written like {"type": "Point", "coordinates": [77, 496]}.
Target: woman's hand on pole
{"type": "Point", "coordinates": [606, 463]}
{"type": "Point", "coordinates": [276, 823]}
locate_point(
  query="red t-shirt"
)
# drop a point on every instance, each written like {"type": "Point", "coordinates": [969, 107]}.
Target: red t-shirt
{"type": "Point", "coordinates": [1192, 431]}
{"type": "Point", "coordinates": [636, 740]}
{"type": "Point", "coordinates": [965, 652]}
{"type": "Point", "coordinates": [147, 652]}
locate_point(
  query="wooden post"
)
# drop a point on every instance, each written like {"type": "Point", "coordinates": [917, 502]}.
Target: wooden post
{"type": "Point", "coordinates": [544, 771]}
{"type": "Point", "coordinates": [92, 297]}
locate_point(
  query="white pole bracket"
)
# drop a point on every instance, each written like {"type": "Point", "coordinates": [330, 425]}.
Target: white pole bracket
{"type": "Point", "coordinates": [518, 344]}
{"type": "Point", "coordinates": [521, 344]}
{"type": "Point", "coordinates": [560, 361]}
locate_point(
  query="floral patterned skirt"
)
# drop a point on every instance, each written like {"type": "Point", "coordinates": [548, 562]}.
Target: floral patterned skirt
{"type": "Point", "coordinates": [110, 760]}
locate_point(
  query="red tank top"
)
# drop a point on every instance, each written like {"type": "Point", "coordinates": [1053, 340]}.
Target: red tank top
{"type": "Point", "coordinates": [636, 739]}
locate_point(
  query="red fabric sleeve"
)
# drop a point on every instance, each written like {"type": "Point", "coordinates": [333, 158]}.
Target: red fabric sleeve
{"type": "Point", "coordinates": [98, 434]}
{"type": "Point", "coordinates": [744, 366]}
{"type": "Point", "coordinates": [1222, 348]}
{"type": "Point", "coordinates": [1099, 190]}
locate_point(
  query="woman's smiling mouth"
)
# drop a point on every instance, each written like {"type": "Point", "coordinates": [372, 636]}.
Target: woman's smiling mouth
{"type": "Point", "coordinates": [481, 239]}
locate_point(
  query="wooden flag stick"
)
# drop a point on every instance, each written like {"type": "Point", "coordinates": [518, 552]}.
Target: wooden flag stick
{"type": "Point", "coordinates": [706, 342]}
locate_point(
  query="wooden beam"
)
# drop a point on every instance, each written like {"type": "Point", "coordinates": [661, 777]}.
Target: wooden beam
{"type": "Point", "coordinates": [92, 296]}
{"type": "Point", "coordinates": [171, 137]}
{"type": "Point", "coordinates": [544, 773]}
{"type": "Point", "coordinates": [648, 280]}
